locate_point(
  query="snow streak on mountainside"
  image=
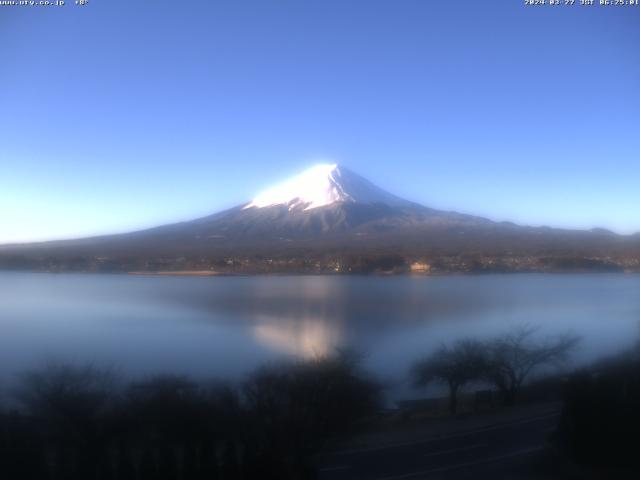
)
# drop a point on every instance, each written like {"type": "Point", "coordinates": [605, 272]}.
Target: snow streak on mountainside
{"type": "Point", "coordinates": [321, 186]}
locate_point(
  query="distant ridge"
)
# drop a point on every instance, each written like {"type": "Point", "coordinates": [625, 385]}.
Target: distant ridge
{"type": "Point", "coordinates": [330, 219]}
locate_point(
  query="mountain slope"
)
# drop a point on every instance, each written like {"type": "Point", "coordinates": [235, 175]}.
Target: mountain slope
{"type": "Point", "coordinates": [324, 217]}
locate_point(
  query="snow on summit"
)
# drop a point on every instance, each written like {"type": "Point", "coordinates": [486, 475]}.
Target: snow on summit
{"type": "Point", "coordinates": [312, 188]}
{"type": "Point", "coordinates": [323, 185]}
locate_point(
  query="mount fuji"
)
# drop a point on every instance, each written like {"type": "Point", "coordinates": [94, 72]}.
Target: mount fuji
{"type": "Point", "coordinates": [329, 218]}
{"type": "Point", "coordinates": [326, 201]}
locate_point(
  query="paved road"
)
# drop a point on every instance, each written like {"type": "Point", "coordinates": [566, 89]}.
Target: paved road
{"type": "Point", "coordinates": [503, 450]}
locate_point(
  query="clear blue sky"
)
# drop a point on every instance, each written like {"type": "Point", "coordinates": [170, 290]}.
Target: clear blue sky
{"type": "Point", "coordinates": [128, 113]}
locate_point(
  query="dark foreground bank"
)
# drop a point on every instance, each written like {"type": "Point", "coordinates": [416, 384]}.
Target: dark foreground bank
{"type": "Point", "coordinates": [314, 419]}
{"type": "Point", "coordinates": [78, 423]}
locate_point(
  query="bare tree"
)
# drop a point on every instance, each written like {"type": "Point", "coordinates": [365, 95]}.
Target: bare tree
{"type": "Point", "coordinates": [294, 409]}
{"type": "Point", "coordinates": [73, 404]}
{"type": "Point", "coordinates": [67, 393]}
{"type": "Point", "coordinates": [454, 366]}
{"type": "Point", "coordinates": [513, 356]}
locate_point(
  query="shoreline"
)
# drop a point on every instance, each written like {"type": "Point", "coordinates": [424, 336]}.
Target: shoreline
{"type": "Point", "coordinates": [181, 273]}
{"type": "Point", "coordinates": [437, 274]}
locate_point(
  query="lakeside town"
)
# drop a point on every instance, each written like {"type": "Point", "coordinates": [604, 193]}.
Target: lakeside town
{"type": "Point", "coordinates": [393, 264]}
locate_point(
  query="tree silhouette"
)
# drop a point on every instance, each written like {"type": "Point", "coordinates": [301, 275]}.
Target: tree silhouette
{"type": "Point", "coordinates": [292, 410]}
{"type": "Point", "coordinates": [454, 366]}
{"type": "Point", "coordinates": [513, 356]}
{"type": "Point", "coordinates": [74, 403]}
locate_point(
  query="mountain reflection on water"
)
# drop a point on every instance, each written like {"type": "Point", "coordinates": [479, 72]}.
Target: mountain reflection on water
{"type": "Point", "coordinates": [310, 337]}
{"type": "Point", "coordinates": [226, 326]}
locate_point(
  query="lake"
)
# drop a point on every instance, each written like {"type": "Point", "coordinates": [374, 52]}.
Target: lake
{"type": "Point", "coordinates": [223, 327]}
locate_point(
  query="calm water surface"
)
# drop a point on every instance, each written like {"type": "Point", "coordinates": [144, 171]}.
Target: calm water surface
{"type": "Point", "coordinates": [225, 326]}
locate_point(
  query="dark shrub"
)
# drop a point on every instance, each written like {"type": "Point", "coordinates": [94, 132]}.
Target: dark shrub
{"type": "Point", "coordinates": [601, 417]}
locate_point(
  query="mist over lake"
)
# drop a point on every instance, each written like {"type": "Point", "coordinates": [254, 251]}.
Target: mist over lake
{"type": "Point", "coordinates": [224, 327]}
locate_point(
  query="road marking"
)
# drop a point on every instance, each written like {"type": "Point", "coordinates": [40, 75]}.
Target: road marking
{"type": "Point", "coordinates": [456, 450]}
{"type": "Point", "coordinates": [499, 458]}
{"type": "Point", "coordinates": [466, 433]}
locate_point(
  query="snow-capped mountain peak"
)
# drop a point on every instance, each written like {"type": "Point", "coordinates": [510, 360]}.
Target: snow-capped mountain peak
{"type": "Point", "coordinates": [323, 185]}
